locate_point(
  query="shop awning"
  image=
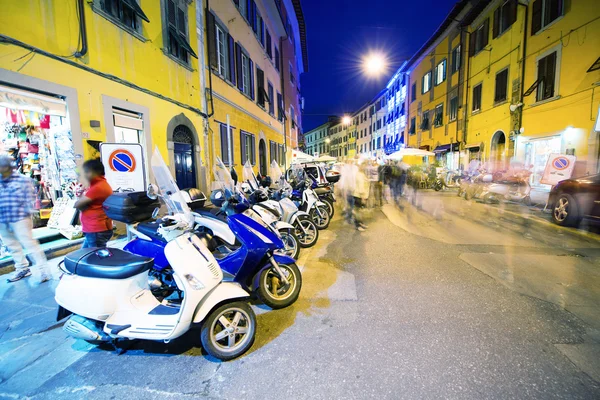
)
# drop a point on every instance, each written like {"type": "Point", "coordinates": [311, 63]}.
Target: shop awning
{"type": "Point", "coordinates": [474, 146]}
{"type": "Point", "coordinates": [447, 147]}
{"type": "Point", "coordinates": [17, 99]}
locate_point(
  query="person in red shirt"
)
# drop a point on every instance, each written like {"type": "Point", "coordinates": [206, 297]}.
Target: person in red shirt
{"type": "Point", "coordinates": [96, 225]}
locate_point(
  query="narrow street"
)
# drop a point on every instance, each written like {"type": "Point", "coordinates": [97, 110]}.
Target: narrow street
{"type": "Point", "coordinates": [454, 300]}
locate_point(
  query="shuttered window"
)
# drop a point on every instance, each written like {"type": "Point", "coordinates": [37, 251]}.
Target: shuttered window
{"type": "Point", "coordinates": [477, 97]}
{"type": "Point", "coordinates": [453, 111]}
{"type": "Point", "coordinates": [271, 98]}
{"type": "Point", "coordinates": [262, 96]}
{"type": "Point", "coordinates": [504, 16]}
{"type": "Point", "coordinates": [124, 13]}
{"type": "Point", "coordinates": [177, 31]}
{"type": "Point", "coordinates": [501, 91]}
{"type": "Point", "coordinates": [426, 83]}
{"type": "Point", "coordinates": [546, 73]}
{"type": "Point", "coordinates": [479, 38]}
{"type": "Point", "coordinates": [225, 139]}
{"type": "Point", "coordinates": [544, 12]}
{"type": "Point", "coordinates": [456, 58]}
{"type": "Point", "coordinates": [248, 147]}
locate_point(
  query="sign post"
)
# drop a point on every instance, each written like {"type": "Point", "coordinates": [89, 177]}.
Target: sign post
{"type": "Point", "coordinates": [124, 166]}
{"type": "Point", "coordinates": [558, 168]}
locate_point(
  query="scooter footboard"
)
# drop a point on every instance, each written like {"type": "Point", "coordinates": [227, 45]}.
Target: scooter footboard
{"type": "Point", "coordinates": [222, 292]}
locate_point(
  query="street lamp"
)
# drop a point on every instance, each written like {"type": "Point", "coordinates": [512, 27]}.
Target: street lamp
{"type": "Point", "coordinates": [346, 120]}
{"type": "Point", "coordinates": [374, 64]}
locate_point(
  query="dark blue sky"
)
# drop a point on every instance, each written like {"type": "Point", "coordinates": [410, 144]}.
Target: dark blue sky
{"type": "Point", "coordinates": [340, 32]}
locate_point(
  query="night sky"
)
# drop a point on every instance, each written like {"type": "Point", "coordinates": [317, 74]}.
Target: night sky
{"type": "Point", "coordinates": [340, 32]}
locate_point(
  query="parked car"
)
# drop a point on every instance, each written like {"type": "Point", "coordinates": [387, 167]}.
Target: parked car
{"type": "Point", "coordinates": [573, 200]}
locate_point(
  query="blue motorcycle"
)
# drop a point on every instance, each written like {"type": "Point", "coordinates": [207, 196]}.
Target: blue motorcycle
{"type": "Point", "coordinates": [249, 259]}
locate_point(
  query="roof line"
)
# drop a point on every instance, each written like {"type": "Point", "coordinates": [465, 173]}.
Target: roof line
{"type": "Point", "coordinates": [302, 28]}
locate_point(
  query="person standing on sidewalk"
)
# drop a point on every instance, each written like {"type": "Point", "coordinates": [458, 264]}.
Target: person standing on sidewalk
{"type": "Point", "coordinates": [16, 227]}
{"type": "Point", "coordinates": [95, 224]}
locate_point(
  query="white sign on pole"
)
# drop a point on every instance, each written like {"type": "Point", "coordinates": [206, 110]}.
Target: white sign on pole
{"type": "Point", "coordinates": [558, 168]}
{"type": "Point", "coordinates": [124, 166]}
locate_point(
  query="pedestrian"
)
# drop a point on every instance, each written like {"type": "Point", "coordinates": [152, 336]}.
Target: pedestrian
{"type": "Point", "coordinates": [373, 178]}
{"type": "Point", "coordinates": [347, 184]}
{"type": "Point", "coordinates": [95, 224]}
{"type": "Point", "coordinates": [360, 196]}
{"type": "Point", "coordinates": [16, 227]}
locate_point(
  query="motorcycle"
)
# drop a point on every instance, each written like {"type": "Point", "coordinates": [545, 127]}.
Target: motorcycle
{"type": "Point", "coordinates": [105, 292]}
{"type": "Point", "coordinates": [478, 184]}
{"type": "Point", "coordinates": [244, 245]}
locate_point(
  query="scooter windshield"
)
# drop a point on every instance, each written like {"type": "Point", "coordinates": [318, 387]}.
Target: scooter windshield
{"type": "Point", "coordinates": [276, 173]}
{"type": "Point", "coordinates": [168, 188]}
{"type": "Point", "coordinates": [249, 177]}
{"type": "Point", "coordinates": [222, 176]}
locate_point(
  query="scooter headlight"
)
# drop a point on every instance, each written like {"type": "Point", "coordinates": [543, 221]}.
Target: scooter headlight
{"type": "Point", "coordinates": [194, 282]}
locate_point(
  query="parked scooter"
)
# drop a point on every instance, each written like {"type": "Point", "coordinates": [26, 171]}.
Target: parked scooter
{"type": "Point", "coordinates": [478, 184]}
{"type": "Point", "coordinates": [106, 290]}
{"type": "Point", "coordinates": [447, 179]}
{"type": "Point", "coordinates": [515, 188]}
{"type": "Point", "coordinates": [243, 244]}
{"type": "Point", "coordinates": [307, 201]}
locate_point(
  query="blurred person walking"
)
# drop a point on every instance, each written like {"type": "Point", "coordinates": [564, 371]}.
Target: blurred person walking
{"type": "Point", "coordinates": [95, 224]}
{"type": "Point", "coordinates": [16, 227]}
{"type": "Point", "coordinates": [360, 197]}
{"type": "Point", "coordinates": [347, 185]}
{"type": "Point", "coordinates": [372, 175]}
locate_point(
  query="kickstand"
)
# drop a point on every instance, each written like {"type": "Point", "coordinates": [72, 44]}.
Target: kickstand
{"type": "Point", "coordinates": [125, 345]}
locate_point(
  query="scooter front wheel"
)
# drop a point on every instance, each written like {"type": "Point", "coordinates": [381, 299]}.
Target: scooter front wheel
{"type": "Point", "coordinates": [229, 330]}
{"type": "Point", "coordinates": [321, 221]}
{"type": "Point", "coordinates": [273, 292]}
{"type": "Point", "coordinates": [290, 241]}
{"type": "Point", "coordinates": [306, 232]}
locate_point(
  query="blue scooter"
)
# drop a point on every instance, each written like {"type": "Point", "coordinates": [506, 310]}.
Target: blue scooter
{"type": "Point", "coordinates": [250, 261]}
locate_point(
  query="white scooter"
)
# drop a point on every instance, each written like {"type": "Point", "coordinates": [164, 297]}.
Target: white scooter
{"type": "Point", "coordinates": [269, 211]}
{"type": "Point", "coordinates": [107, 290]}
{"type": "Point", "coordinates": [308, 201]}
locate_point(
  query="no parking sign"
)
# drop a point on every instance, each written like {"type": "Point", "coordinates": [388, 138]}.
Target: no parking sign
{"type": "Point", "coordinates": [124, 165]}
{"type": "Point", "coordinates": [558, 168]}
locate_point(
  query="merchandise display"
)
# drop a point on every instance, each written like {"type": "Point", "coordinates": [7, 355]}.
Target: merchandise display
{"type": "Point", "coordinates": [42, 146]}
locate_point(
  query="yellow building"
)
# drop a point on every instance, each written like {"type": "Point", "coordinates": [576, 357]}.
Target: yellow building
{"type": "Point", "coordinates": [531, 83]}
{"type": "Point", "coordinates": [119, 71]}
{"type": "Point", "coordinates": [244, 68]}
{"type": "Point", "coordinates": [436, 94]}
{"type": "Point", "coordinates": [562, 73]}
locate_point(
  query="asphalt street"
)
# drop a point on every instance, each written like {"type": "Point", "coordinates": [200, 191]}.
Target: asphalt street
{"type": "Point", "coordinates": [450, 299]}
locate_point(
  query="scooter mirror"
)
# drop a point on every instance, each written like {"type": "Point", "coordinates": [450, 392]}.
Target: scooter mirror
{"type": "Point", "coordinates": [155, 212]}
{"type": "Point", "coordinates": [234, 176]}
{"type": "Point", "coordinates": [151, 192]}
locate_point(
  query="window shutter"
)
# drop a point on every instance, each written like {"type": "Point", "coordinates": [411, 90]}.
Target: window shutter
{"type": "Point", "coordinates": [472, 39]}
{"type": "Point", "coordinates": [512, 12]}
{"type": "Point", "coordinates": [496, 27]}
{"type": "Point", "coordinates": [231, 50]}
{"type": "Point", "coordinates": [238, 64]}
{"type": "Point", "coordinates": [269, 44]}
{"type": "Point", "coordinates": [243, 146]}
{"type": "Point", "coordinates": [536, 16]}
{"type": "Point", "coordinates": [253, 152]}
{"type": "Point", "coordinates": [224, 152]}
{"type": "Point", "coordinates": [260, 81]}
{"type": "Point", "coordinates": [550, 75]}
{"type": "Point", "coordinates": [486, 32]}
{"type": "Point", "coordinates": [252, 90]}
{"type": "Point", "coordinates": [212, 40]}
{"type": "Point", "coordinates": [253, 16]}
{"type": "Point", "coordinates": [181, 25]}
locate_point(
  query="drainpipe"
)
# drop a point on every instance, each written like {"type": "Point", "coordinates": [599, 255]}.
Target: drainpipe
{"type": "Point", "coordinates": [466, 111]}
{"type": "Point", "coordinates": [524, 58]}
{"type": "Point", "coordinates": [82, 31]}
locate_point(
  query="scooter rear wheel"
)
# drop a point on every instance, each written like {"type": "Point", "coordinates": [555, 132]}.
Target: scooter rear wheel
{"type": "Point", "coordinates": [273, 292]}
{"type": "Point", "coordinates": [229, 330]}
{"type": "Point", "coordinates": [330, 207]}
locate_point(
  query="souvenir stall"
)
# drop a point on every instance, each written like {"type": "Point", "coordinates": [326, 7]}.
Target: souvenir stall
{"type": "Point", "coordinates": [35, 131]}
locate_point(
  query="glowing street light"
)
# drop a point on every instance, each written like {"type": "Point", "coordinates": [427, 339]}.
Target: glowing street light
{"type": "Point", "coordinates": [346, 120]}
{"type": "Point", "coordinates": [374, 64]}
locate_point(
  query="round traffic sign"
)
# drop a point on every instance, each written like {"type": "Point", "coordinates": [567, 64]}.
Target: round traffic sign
{"type": "Point", "coordinates": [561, 163]}
{"type": "Point", "coordinates": [121, 161]}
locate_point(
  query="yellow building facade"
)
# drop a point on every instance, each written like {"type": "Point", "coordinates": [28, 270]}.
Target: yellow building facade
{"type": "Point", "coordinates": [531, 83]}
{"type": "Point", "coordinates": [436, 95]}
{"type": "Point", "coordinates": [244, 68]}
{"type": "Point", "coordinates": [126, 73]}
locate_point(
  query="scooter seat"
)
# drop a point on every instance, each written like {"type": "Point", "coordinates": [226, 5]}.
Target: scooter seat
{"type": "Point", "coordinates": [106, 263]}
{"type": "Point", "coordinates": [212, 212]}
{"type": "Point", "coordinates": [270, 209]}
{"type": "Point", "coordinates": [150, 229]}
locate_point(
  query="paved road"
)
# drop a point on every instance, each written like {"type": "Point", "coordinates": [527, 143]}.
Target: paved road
{"type": "Point", "coordinates": [425, 304]}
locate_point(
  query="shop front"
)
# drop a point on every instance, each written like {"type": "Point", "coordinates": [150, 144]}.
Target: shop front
{"type": "Point", "coordinates": [448, 155]}
{"type": "Point", "coordinates": [536, 153]}
{"type": "Point", "coordinates": [35, 130]}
